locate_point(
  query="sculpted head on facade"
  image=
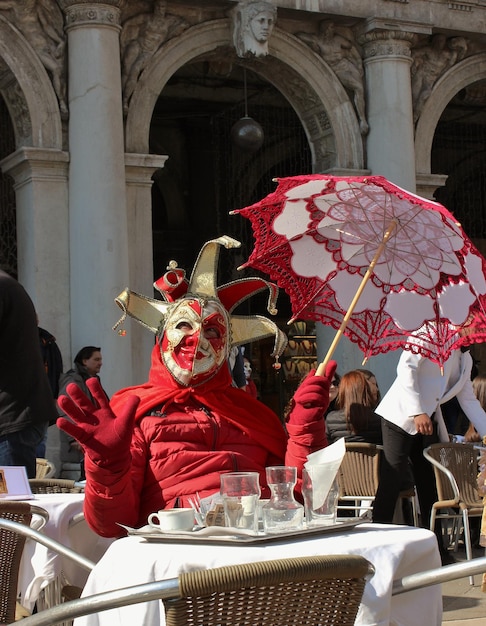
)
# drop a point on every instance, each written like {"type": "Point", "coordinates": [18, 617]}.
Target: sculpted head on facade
{"type": "Point", "coordinates": [253, 24]}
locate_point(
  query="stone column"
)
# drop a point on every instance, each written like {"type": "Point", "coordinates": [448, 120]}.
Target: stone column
{"type": "Point", "coordinates": [41, 188]}
{"type": "Point", "coordinates": [390, 142]}
{"type": "Point", "coordinates": [390, 153]}
{"type": "Point", "coordinates": [97, 207]}
{"type": "Point", "coordinates": [138, 171]}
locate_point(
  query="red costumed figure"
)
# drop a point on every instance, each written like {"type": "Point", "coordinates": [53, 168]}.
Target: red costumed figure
{"type": "Point", "coordinates": [155, 445]}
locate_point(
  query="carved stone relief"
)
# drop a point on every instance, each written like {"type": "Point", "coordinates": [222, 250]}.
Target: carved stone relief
{"type": "Point", "coordinates": [253, 24]}
{"type": "Point", "coordinates": [387, 43]}
{"type": "Point", "coordinates": [42, 24]}
{"type": "Point", "coordinates": [430, 61]}
{"type": "Point", "coordinates": [141, 36]}
{"type": "Point", "coordinates": [337, 47]}
{"type": "Point", "coordinates": [91, 14]}
{"type": "Point", "coordinates": [19, 113]}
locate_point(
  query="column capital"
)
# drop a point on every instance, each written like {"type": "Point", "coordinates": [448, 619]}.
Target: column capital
{"type": "Point", "coordinates": [389, 37]}
{"type": "Point", "coordinates": [27, 163]}
{"type": "Point", "coordinates": [387, 44]}
{"type": "Point", "coordinates": [91, 12]}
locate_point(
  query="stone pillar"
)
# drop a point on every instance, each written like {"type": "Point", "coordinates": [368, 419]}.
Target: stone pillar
{"type": "Point", "coordinates": [390, 142]}
{"type": "Point", "coordinates": [41, 188]}
{"type": "Point", "coordinates": [390, 146]}
{"type": "Point", "coordinates": [97, 207]}
{"type": "Point", "coordinates": [138, 171]}
{"type": "Point", "coordinates": [390, 153]}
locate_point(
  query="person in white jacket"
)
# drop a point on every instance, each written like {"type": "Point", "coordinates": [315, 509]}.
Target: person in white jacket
{"type": "Point", "coordinates": [412, 420]}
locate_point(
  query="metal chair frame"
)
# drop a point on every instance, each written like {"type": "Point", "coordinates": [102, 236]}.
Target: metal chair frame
{"type": "Point", "coordinates": [455, 468]}
{"type": "Point", "coordinates": [16, 532]}
{"type": "Point", "coordinates": [52, 544]}
{"type": "Point", "coordinates": [439, 575]}
{"type": "Point", "coordinates": [285, 591]}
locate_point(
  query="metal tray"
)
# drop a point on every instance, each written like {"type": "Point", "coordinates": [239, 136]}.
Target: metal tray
{"type": "Point", "coordinates": [222, 535]}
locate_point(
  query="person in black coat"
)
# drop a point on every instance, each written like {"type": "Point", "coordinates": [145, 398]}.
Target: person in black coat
{"type": "Point", "coordinates": [26, 402]}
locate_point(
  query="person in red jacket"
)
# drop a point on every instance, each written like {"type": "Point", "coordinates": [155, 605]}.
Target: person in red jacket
{"type": "Point", "coordinates": [156, 445]}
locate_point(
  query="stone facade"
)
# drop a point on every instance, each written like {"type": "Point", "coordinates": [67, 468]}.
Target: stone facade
{"type": "Point", "coordinates": [84, 83]}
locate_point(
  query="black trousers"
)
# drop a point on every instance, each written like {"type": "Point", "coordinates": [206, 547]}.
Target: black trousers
{"type": "Point", "coordinates": [402, 451]}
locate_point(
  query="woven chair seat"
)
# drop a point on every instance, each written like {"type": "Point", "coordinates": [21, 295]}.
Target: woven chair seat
{"type": "Point", "coordinates": [54, 485]}
{"type": "Point", "coordinates": [359, 477]}
{"type": "Point", "coordinates": [320, 590]}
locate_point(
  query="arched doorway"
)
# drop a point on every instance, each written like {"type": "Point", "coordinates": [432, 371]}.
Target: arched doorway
{"type": "Point", "coordinates": [208, 174]}
{"type": "Point", "coordinates": [291, 87]}
{"type": "Point", "coordinates": [459, 151]}
{"type": "Point", "coordinates": [451, 141]}
{"type": "Point", "coordinates": [8, 221]}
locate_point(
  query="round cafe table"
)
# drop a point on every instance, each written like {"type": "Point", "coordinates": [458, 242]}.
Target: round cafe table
{"type": "Point", "coordinates": [395, 551]}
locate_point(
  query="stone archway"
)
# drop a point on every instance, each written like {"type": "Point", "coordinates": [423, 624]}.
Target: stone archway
{"type": "Point", "coordinates": [38, 168]}
{"type": "Point", "coordinates": [28, 92]}
{"type": "Point", "coordinates": [311, 87]}
{"type": "Point", "coordinates": [465, 73]}
{"type": "Point", "coordinates": [471, 70]}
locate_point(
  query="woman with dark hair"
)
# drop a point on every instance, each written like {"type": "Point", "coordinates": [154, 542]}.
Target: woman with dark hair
{"type": "Point", "coordinates": [354, 419]}
{"type": "Point", "coordinates": [372, 382]}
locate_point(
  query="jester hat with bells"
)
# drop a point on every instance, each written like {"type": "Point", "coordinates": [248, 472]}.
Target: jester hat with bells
{"type": "Point", "coordinates": [196, 302]}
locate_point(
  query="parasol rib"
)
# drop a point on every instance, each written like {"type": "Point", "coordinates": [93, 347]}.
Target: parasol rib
{"type": "Point", "coordinates": [322, 366]}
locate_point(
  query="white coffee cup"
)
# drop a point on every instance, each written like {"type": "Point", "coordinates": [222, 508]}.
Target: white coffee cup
{"type": "Point", "coordinates": [170, 520]}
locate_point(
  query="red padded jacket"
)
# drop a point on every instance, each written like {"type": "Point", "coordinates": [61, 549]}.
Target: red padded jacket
{"type": "Point", "coordinates": [184, 439]}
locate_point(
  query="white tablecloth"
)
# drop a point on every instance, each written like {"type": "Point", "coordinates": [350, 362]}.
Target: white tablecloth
{"type": "Point", "coordinates": [395, 551]}
{"type": "Point", "coordinates": [39, 565]}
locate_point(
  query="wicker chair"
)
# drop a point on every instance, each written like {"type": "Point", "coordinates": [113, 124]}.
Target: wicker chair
{"type": "Point", "coordinates": [18, 521]}
{"type": "Point", "coordinates": [44, 468]}
{"type": "Point", "coordinates": [287, 591]}
{"type": "Point", "coordinates": [54, 485]}
{"type": "Point", "coordinates": [456, 469]}
{"type": "Point", "coordinates": [358, 478]}
{"type": "Point", "coordinates": [322, 590]}
{"type": "Point", "coordinates": [11, 548]}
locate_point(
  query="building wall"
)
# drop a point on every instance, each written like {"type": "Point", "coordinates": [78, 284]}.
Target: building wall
{"type": "Point", "coordinates": [83, 166]}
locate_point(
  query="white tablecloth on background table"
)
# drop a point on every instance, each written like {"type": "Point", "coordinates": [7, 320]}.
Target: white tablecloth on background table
{"type": "Point", "coordinates": [395, 551]}
{"type": "Point", "coordinates": [40, 566]}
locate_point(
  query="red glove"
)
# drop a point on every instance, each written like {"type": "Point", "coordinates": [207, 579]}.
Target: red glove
{"type": "Point", "coordinates": [314, 390]}
{"type": "Point", "coordinates": [105, 437]}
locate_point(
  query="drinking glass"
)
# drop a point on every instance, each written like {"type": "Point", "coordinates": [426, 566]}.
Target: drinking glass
{"type": "Point", "coordinates": [240, 492]}
{"type": "Point", "coordinates": [319, 504]}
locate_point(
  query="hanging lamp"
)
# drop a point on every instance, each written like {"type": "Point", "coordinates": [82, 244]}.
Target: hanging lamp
{"type": "Point", "coordinates": [247, 133]}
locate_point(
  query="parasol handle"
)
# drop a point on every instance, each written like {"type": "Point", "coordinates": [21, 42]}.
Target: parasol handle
{"type": "Point", "coordinates": [322, 366]}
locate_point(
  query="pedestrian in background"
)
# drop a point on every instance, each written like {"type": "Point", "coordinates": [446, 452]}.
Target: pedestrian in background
{"type": "Point", "coordinates": [26, 402]}
{"type": "Point", "coordinates": [87, 364]}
